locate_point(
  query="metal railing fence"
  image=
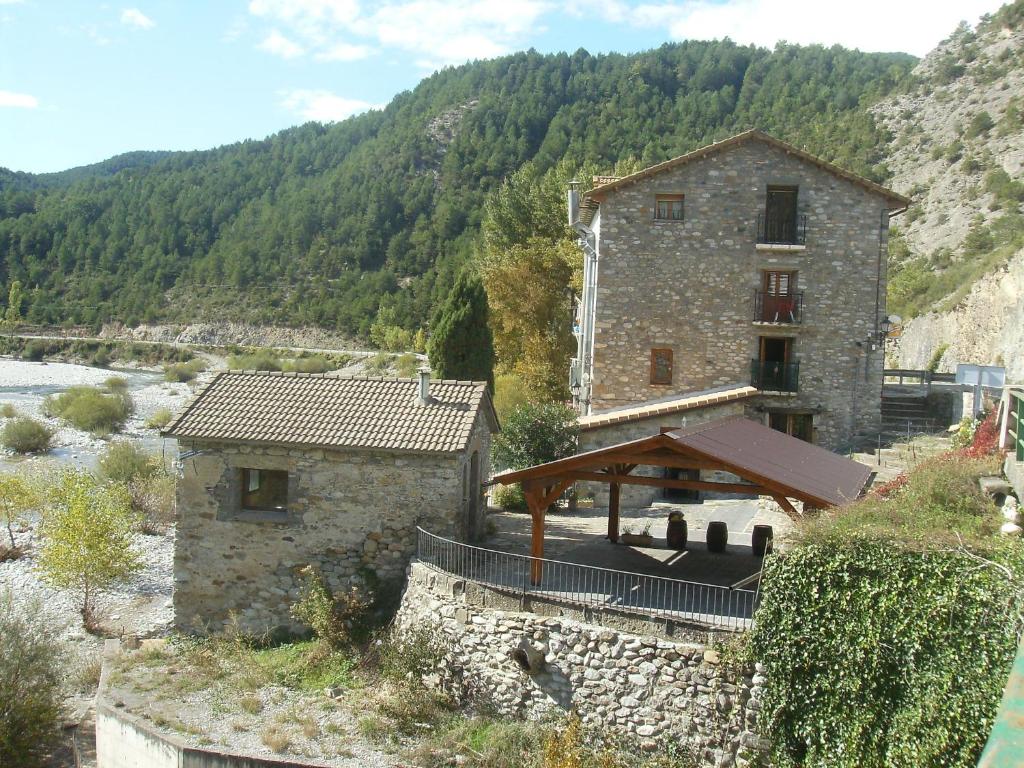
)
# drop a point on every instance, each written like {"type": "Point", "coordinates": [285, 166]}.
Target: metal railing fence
{"type": "Point", "coordinates": [775, 376]}
{"type": "Point", "coordinates": [589, 586]}
{"type": "Point", "coordinates": [778, 308]}
{"type": "Point", "coordinates": [778, 229]}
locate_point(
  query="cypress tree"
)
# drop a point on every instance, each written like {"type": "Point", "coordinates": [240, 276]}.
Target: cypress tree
{"type": "Point", "coordinates": [461, 345]}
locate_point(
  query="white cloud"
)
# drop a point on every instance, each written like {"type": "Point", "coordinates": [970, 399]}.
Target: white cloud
{"type": "Point", "coordinates": [18, 100]}
{"type": "Point", "coordinates": [279, 45]}
{"type": "Point", "coordinates": [871, 25]}
{"type": "Point", "coordinates": [323, 106]}
{"type": "Point", "coordinates": [434, 32]}
{"type": "Point", "coordinates": [133, 17]}
{"type": "Point", "coordinates": [345, 52]}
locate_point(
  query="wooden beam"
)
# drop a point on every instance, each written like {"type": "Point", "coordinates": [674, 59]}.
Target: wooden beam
{"type": "Point", "coordinates": [662, 482]}
{"type": "Point", "coordinates": [788, 508]}
{"type": "Point", "coordinates": [613, 512]}
{"type": "Point", "coordinates": [535, 501]}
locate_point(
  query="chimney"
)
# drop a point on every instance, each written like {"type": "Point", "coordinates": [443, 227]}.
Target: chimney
{"type": "Point", "coordinates": [425, 386]}
{"type": "Point", "coordinates": [574, 203]}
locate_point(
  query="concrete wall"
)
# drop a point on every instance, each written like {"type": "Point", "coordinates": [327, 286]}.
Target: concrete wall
{"type": "Point", "coordinates": [689, 286]}
{"type": "Point", "coordinates": [652, 691]}
{"type": "Point", "coordinates": [125, 741]}
{"type": "Point", "coordinates": [639, 495]}
{"type": "Point", "coordinates": [348, 513]}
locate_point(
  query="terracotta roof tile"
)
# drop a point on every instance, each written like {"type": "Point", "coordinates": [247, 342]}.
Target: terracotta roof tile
{"type": "Point", "coordinates": [686, 402]}
{"type": "Point", "coordinates": [333, 412]}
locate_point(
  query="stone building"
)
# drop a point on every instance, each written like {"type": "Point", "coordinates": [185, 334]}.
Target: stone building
{"type": "Point", "coordinates": [748, 261]}
{"type": "Point", "coordinates": [282, 470]}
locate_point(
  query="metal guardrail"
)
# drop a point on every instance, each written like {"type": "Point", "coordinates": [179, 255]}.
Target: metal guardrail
{"type": "Point", "coordinates": [774, 376]}
{"type": "Point", "coordinates": [775, 229]}
{"type": "Point", "coordinates": [921, 377]}
{"type": "Point", "coordinates": [778, 308]}
{"type": "Point", "coordinates": [588, 586]}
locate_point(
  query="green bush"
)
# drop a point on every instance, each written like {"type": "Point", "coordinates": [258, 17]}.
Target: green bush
{"type": "Point", "coordinates": [509, 497]}
{"type": "Point", "coordinates": [8, 411]}
{"type": "Point", "coordinates": [159, 419]}
{"type": "Point", "coordinates": [116, 384]}
{"type": "Point", "coordinates": [25, 435]}
{"type": "Point", "coordinates": [258, 361]}
{"type": "Point", "coordinates": [535, 433]}
{"type": "Point", "coordinates": [123, 462]}
{"type": "Point", "coordinates": [936, 358]}
{"type": "Point", "coordinates": [90, 409]}
{"type": "Point", "coordinates": [336, 619]}
{"type": "Point", "coordinates": [152, 497]}
{"type": "Point", "coordinates": [378, 364]}
{"type": "Point", "coordinates": [30, 678]}
{"type": "Point", "coordinates": [314, 364]}
{"type": "Point", "coordinates": [34, 351]}
{"type": "Point", "coordinates": [407, 365]}
{"type": "Point", "coordinates": [980, 124]}
{"type": "Point", "coordinates": [181, 372]}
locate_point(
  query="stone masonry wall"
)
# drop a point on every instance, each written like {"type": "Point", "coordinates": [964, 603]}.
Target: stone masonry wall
{"type": "Point", "coordinates": [347, 511]}
{"type": "Point", "coordinates": [689, 286]}
{"type": "Point", "coordinates": [651, 691]}
{"type": "Point", "coordinates": [640, 495]}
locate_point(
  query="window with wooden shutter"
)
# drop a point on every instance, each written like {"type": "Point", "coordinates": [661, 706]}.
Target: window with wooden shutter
{"type": "Point", "coordinates": [668, 208]}
{"type": "Point", "coordinates": [661, 366]}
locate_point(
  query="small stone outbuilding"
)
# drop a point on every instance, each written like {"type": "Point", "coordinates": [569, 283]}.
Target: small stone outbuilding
{"type": "Point", "coordinates": [283, 470]}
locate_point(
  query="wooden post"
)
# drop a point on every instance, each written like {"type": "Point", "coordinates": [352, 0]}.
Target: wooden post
{"type": "Point", "coordinates": [535, 501]}
{"type": "Point", "coordinates": [613, 512]}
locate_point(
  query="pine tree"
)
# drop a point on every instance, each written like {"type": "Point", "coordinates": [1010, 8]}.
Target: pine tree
{"type": "Point", "coordinates": [461, 345]}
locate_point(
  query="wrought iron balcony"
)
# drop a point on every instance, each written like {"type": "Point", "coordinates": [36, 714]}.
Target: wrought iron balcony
{"type": "Point", "coordinates": [775, 376]}
{"type": "Point", "coordinates": [781, 230]}
{"type": "Point", "coordinates": [775, 308]}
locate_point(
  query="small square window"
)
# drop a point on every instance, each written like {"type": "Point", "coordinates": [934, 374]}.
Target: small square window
{"type": "Point", "coordinates": [668, 208]}
{"type": "Point", "coordinates": [661, 366]}
{"type": "Point", "coordinates": [264, 490]}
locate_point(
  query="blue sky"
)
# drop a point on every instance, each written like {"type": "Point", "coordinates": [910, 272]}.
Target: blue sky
{"type": "Point", "coordinates": [82, 81]}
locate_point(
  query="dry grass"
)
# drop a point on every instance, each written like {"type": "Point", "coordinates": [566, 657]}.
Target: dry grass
{"type": "Point", "coordinates": [276, 738]}
{"type": "Point", "coordinates": [250, 703]}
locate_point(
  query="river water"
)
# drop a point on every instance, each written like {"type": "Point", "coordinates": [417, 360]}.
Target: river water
{"type": "Point", "coordinates": [25, 385]}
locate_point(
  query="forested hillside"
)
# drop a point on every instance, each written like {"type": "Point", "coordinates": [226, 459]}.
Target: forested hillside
{"type": "Point", "coordinates": [333, 225]}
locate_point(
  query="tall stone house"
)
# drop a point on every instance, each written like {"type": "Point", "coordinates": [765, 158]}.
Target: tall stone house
{"type": "Point", "coordinates": [282, 471]}
{"type": "Point", "coordinates": [748, 272]}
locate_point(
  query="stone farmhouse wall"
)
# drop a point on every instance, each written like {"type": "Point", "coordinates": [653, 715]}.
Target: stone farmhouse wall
{"type": "Point", "coordinates": [348, 513]}
{"type": "Point", "coordinates": [651, 691]}
{"type": "Point", "coordinates": [689, 286]}
{"type": "Point", "coordinates": [641, 495]}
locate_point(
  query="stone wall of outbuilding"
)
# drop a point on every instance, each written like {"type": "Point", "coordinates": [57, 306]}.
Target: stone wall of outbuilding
{"type": "Point", "coordinates": [642, 495]}
{"type": "Point", "coordinates": [689, 286]}
{"type": "Point", "coordinates": [652, 691]}
{"type": "Point", "coordinates": [349, 513]}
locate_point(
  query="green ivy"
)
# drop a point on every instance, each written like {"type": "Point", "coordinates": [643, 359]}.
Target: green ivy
{"type": "Point", "coordinates": [879, 654]}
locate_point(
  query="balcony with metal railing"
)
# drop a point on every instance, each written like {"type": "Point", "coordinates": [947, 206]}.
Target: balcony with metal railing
{"type": "Point", "coordinates": [775, 376]}
{"type": "Point", "coordinates": [783, 232]}
{"type": "Point", "coordinates": [779, 308]}
{"type": "Point", "coordinates": [590, 587]}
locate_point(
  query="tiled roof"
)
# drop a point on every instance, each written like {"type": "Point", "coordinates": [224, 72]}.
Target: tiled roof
{"type": "Point", "coordinates": [686, 402]}
{"type": "Point", "coordinates": [321, 410]}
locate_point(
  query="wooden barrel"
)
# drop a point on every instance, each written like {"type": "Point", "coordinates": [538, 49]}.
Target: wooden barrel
{"type": "Point", "coordinates": [718, 536]}
{"type": "Point", "coordinates": [761, 540]}
{"type": "Point", "coordinates": [676, 534]}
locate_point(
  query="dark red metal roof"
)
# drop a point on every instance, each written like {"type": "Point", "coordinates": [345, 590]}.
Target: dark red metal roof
{"type": "Point", "coordinates": [749, 449]}
{"type": "Point", "coordinates": [761, 453]}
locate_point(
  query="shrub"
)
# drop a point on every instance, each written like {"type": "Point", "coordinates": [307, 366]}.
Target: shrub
{"type": "Point", "coordinates": [123, 462]}
{"type": "Point", "coordinates": [30, 678]}
{"type": "Point", "coordinates": [86, 533]}
{"type": "Point", "coordinates": [90, 409]}
{"type": "Point", "coordinates": [116, 384]}
{"type": "Point", "coordinates": [936, 358]}
{"type": "Point", "coordinates": [182, 372]}
{"type": "Point", "coordinates": [334, 618]}
{"type": "Point", "coordinates": [259, 361]}
{"type": "Point", "coordinates": [153, 499]}
{"type": "Point", "coordinates": [25, 435]}
{"type": "Point", "coordinates": [16, 498]}
{"type": "Point", "coordinates": [980, 124]}
{"type": "Point", "coordinates": [535, 433]}
{"type": "Point", "coordinates": [159, 419]}
{"type": "Point", "coordinates": [378, 364]}
{"type": "Point", "coordinates": [509, 497]}
{"type": "Point", "coordinates": [34, 351]}
{"type": "Point", "coordinates": [8, 411]}
{"type": "Point", "coordinates": [413, 651]}
{"type": "Point", "coordinates": [407, 365]}
{"type": "Point", "coordinates": [314, 364]}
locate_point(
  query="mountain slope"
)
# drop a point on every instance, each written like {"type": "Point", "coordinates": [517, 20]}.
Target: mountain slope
{"type": "Point", "coordinates": [323, 225]}
{"type": "Point", "coordinates": [957, 262]}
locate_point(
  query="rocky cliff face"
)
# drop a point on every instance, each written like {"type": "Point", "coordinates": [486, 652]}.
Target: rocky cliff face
{"type": "Point", "coordinates": [958, 151]}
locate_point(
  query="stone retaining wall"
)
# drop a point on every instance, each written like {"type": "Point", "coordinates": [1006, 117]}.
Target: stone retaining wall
{"type": "Point", "coordinates": [651, 691]}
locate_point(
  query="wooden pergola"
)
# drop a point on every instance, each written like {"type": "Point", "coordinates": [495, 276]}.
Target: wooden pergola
{"type": "Point", "coordinates": [767, 463]}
